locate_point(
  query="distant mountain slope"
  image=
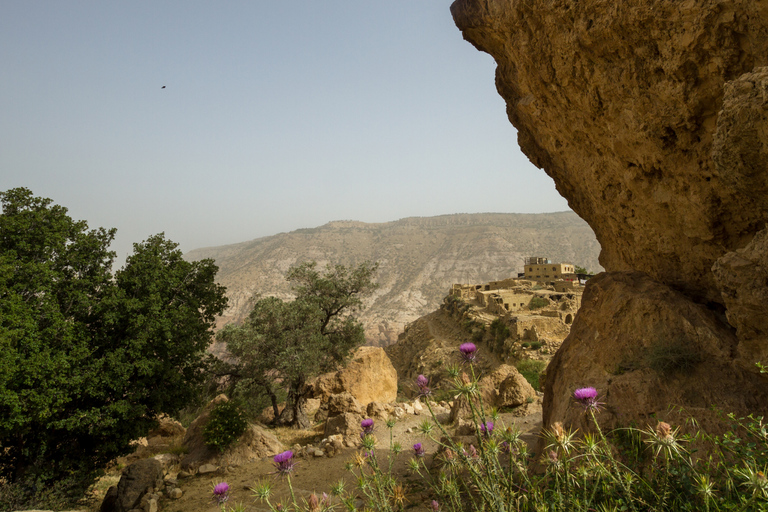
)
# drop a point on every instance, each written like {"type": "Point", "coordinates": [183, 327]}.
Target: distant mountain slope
{"type": "Point", "coordinates": [420, 258]}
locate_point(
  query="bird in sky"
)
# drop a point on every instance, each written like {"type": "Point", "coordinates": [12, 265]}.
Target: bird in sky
{"type": "Point", "coordinates": [163, 87]}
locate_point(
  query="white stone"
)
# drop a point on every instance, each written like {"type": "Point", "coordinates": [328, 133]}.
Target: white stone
{"type": "Point", "coordinates": [207, 468]}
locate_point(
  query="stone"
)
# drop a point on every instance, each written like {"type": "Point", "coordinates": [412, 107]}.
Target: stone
{"type": "Point", "coordinates": [377, 410]}
{"type": "Point", "coordinates": [658, 138]}
{"type": "Point", "coordinates": [175, 493]}
{"type": "Point", "coordinates": [663, 349]}
{"type": "Point", "coordinates": [166, 460]}
{"type": "Point", "coordinates": [514, 391]}
{"type": "Point", "coordinates": [207, 468]}
{"type": "Point", "coordinates": [318, 453]}
{"type": "Point", "coordinates": [135, 480]}
{"type": "Point", "coordinates": [347, 424]}
{"type": "Point", "coordinates": [368, 377]}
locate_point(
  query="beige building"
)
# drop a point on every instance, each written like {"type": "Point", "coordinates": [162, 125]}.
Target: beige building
{"type": "Point", "coordinates": [541, 269]}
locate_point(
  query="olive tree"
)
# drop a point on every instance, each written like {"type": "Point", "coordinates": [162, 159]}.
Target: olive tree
{"type": "Point", "coordinates": [283, 344]}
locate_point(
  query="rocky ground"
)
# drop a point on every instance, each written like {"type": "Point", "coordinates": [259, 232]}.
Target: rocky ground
{"type": "Point", "coordinates": [318, 474]}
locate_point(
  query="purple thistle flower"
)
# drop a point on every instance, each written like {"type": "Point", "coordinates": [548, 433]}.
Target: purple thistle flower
{"type": "Point", "coordinates": [221, 492]}
{"type": "Point", "coordinates": [435, 505]}
{"type": "Point", "coordinates": [588, 398]}
{"type": "Point", "coordinates": [423, 384]}
{"type": "Point", "coordinates": [367, 425]}
{"type": "Point", "coordinates": [284, 462]}
{"type": "Point", "coordinates": [486, 428]}
{"type": "Point", "coordinates": [468, 351]}
{"type": "Point", "coordinates": [419, 450]}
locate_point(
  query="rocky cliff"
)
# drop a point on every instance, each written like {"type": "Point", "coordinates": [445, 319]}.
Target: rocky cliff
{"type": "Point", "coordinates": [651, 118]}
{"type": "Point", "coordinates": [420, 258]}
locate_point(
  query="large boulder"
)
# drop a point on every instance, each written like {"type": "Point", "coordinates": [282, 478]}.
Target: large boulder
{"type": "Point", "coordinates": [663, 349]}
{"type": "Point", "coordinates": [369, 377]}
{"type": "Point", "coordinates": [136, 480]}
{"type": "Point", "coordinates": [652, 119]}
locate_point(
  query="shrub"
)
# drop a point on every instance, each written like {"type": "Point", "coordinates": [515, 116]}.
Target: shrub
{"type": "Point", "coordinates": [225, 426]}
{"type": "Point", "coordinates": [538, 303]}
{"type": "Point", "coordinates": [531, 369]}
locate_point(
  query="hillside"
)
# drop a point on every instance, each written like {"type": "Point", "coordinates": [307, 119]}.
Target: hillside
{"type": "Point", "coordinates": [420, 258]}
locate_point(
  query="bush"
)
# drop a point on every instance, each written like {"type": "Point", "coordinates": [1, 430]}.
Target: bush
{"type": "Point", "coordinates": [225, 426]}
{"type": "Point", "coordinates": [531, 370]}
{"type": "Point", "coordinates": [538, 303]}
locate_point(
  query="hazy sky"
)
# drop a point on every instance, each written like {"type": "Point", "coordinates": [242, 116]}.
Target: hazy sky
{"type": "Point", "coordinates": [275, 116]}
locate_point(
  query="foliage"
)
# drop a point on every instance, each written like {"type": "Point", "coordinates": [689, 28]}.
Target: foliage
{"type": "Point", "coordinates": [500, 333]}
{"type": "Point", "coordinates": [284, 344]}
{"type": "Point", "coordinates": [225, 426]}
{"type": "Point", "coordinates": [629, 469]}
{"type": "Point", "coordinates": [538, 302]}
{"type": "Point", "coordinates": [88, 358]}
{"type": "Point", "coordinates": [531, 369]}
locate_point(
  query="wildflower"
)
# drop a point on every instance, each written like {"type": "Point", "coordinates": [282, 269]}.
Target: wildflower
{"type": "Point", "coordinates": [313, 504]}
{"type": "Point", "coordinates": [423, 384]}
{"type": "Point", "coordinates": [326, 501]}
{"type": "Point", "coordinates": [398, 496]}
{"type": "Point", "coordinates": [367, 426]}
{"type": "Point", "coordinates": [435, 506]}
{"type": "Point", "coordinates": [663, 437]}
{"type": "Point", "coordinates": [221, 492]}
{"type": "Point", "coordinates": [486, 428]}
{"type": "Point", "coordinates": [588, 398]}
{"type": "Point", "coordinates": [419, 450]}
{"type": "Point", "coordinates": [468, 352]}
{"type": "Point", "coordinates": [284, 462]}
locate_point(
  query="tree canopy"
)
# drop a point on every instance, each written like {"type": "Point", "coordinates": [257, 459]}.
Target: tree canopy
{"type": "Point", "coordinates": [283, 344]}
{"type": "Point", "coordinates": [88, 358]}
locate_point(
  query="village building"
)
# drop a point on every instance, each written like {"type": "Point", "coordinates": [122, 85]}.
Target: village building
{"type": "Point", "coordinates": [543, 270]}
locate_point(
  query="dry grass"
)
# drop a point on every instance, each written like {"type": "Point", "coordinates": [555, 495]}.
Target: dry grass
{"type": "Point", "coordinates": [291, 436]}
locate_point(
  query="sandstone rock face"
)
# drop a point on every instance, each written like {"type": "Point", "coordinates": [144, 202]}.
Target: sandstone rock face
{"type": "Point", "coordinates": [652, 119]}
{"type": "Point", "coordinates": [664, 350]}
{"type": "Point", "coordinates": [369, 377]}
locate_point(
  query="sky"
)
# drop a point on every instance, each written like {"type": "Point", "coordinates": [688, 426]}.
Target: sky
{"type": "Point", "coordinates": [221, 122]}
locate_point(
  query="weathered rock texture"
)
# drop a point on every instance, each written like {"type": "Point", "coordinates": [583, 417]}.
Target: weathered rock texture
{"type": "Point", "coordinates": [651, 118]}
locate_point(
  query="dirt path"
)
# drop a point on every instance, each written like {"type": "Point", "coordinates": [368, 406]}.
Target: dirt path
{"type": "Point", "coordinates": [318, 474]}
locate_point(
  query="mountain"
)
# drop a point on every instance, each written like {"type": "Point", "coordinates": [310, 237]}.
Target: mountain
{"type": "Point", "coordinates": [420, 258]}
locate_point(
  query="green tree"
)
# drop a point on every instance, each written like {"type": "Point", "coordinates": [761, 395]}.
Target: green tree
{"type": "Point", "coordinates": [283, 344]}
{"type": "Point", "coordinates": [87, 358]}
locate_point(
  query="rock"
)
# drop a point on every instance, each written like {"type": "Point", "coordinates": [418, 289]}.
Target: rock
{"type": "Point", "coordinates": [207, 468]}
{"type": "Point", "coordinates": [183, 474]}
{"type": "Point", "coordinates": [318, 453]}
{"type": "Point", "coordinates": [167, 427]}
{"type": "Point", "coordinates": [369, 377]}
{"type": "Point", "coordinates": [175, 493]}
{"type": "Point", "coordinates": [377, 410]}
{"type": "Point", "coordinates": [197, 450]}
{"type": "Point", "coordinates": [663, 349]}
{"type": "Point", "coordinates": [657, 137]}
{"type": "Point", "coordinates": [166, 460]}
{"type": "Point", "coordinates": [347, 424]}
{"type": "Point", "coordinates": [514, 391]}
{"type": "Point", "coordinates": [134, 482]}
{"type": "Point", "coordinates": [398, 412]}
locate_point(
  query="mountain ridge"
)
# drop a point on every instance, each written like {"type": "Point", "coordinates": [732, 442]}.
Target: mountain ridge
{"type": "Point", "coordinates": [420, 258]}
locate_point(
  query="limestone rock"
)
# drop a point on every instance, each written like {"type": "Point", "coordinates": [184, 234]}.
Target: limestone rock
{"type": "Point", "coordinates": [134, 482]}
{"type": "Point", "coordinates": [662, 349]}
{"type": "Point", "coordinates": [742, 276]}
{"type": "Point", "coordinates": [652, 119]}
{"type": "Point", "coordinates": [346, 424]}
{"type": "Point", "coordinates": [514, 391]}
{"type": "Point", "coordinates": [369, 377]}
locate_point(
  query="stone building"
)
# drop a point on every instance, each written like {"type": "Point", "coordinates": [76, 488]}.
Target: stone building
{"type": "Point", "coordinates": [542, 269]}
